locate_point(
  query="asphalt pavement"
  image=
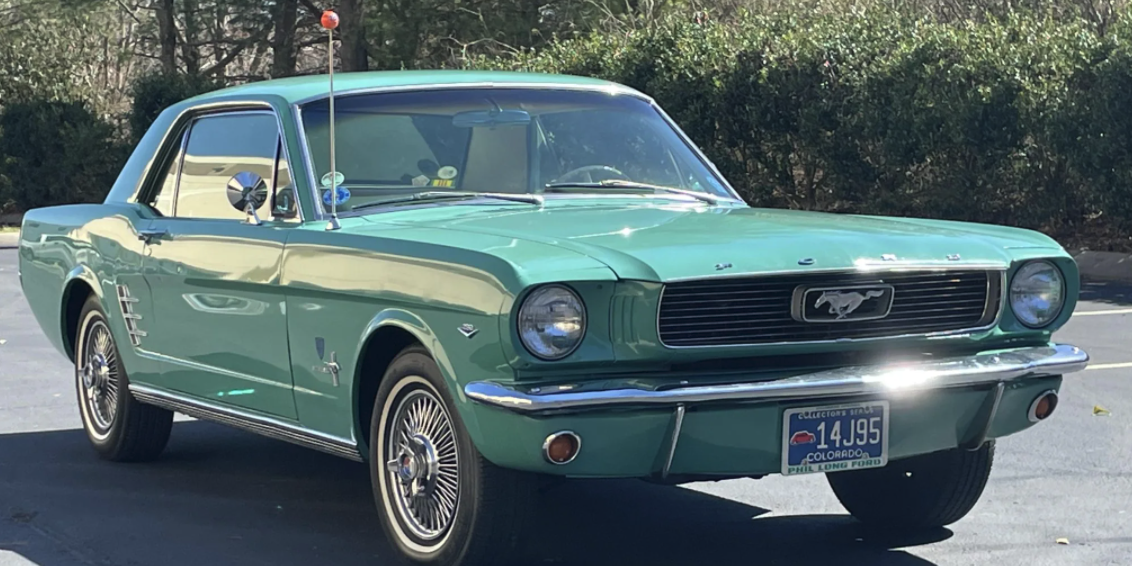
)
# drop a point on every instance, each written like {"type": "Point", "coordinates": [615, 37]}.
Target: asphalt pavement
{"type": "Point", "coordinates": [225, 497]}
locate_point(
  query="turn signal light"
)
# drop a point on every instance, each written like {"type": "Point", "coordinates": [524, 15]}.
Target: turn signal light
{"type": "Point", "coordinates": [561, 447]}
{"type": "Point", "coordinates": [1043, 406]}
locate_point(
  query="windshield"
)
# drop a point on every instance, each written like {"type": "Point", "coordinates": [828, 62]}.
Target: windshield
{"type": "Point", "coordinates": [497, 141]}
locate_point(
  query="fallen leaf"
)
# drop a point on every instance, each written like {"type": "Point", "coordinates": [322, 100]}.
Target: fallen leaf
{"type": "Point", "coordinates": [1098, 411]}
{"type": "Point", "coordinates": [1062, 541]}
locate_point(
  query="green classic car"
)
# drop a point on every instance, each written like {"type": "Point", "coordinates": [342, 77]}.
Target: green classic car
{"type": "Point", "coordinates": [504, 278]}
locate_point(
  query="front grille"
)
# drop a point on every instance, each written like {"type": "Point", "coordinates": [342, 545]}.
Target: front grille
{"type": "Point", "coordinates": [757, 310]}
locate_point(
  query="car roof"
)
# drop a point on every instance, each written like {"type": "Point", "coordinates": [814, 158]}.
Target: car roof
{"type": "Point", "coordinates": [307, 87]}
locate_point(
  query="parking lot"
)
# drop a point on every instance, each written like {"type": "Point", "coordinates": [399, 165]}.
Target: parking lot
{"type": "Point", "coordinates": [221, 496]}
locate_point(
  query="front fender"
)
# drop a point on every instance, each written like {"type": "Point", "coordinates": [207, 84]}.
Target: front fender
{"type": "Point", "coordinates": [455, 355]}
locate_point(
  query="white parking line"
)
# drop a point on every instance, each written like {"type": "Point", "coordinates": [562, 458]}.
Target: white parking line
{"type": "Point", "coordinates": [1110, 366]}
{"type": "Point", "coordinates": [1110, 311]}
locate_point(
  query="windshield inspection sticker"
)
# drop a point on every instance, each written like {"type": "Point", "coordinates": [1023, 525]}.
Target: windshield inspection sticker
{"type": "Point", "coordinates": [338, 178]}
{"type": "Point", "coordinates": [447, 172]}
{"type": "Point", "coordinates": [343, 196]}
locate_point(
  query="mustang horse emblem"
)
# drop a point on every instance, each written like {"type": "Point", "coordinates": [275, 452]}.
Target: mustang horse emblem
{"type": "Point", "coordinates": [842, 304]}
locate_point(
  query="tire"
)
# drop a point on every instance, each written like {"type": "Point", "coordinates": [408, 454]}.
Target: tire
{"type": "Point", "coordinates": [922, 492]}
{"type": "Point", "coordinates": [491, 503]}
{"type": "Point", "coordinates": [120, 428]}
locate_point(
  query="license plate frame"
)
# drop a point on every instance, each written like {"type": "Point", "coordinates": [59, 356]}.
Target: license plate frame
{"type": "Point", "coordinates": [810, 439]}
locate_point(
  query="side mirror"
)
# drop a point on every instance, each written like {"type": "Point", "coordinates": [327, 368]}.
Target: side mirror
{"type": "Point", "coordinates": [247, 192]}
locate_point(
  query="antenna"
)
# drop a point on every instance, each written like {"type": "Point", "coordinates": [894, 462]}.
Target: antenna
{"type": "Point", "coordinates": [330, 22]}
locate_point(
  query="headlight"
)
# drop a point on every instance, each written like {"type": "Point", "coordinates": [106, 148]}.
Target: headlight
{"type": "Point", "coordinates": [552, 322]}
{"type": "Point", "coordinates": [1037, 293]}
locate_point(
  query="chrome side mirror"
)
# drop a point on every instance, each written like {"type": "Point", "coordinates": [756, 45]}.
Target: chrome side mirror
{"type": "Point", "coordinates": [247, 192]}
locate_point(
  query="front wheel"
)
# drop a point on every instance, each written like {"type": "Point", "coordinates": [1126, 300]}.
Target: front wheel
{"type": "Point", "coordinates": [922, 492]}
{"type": "Point", "coordinates": [440, 501]}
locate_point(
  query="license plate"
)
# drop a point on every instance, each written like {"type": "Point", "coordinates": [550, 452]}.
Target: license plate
{"type": "Point", "coordinates": [834, 438]}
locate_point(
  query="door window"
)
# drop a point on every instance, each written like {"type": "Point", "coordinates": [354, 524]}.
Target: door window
{"type": "Point", "coordinates": [222, 150]}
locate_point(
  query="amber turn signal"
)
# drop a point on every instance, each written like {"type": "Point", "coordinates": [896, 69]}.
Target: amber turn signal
{"type": "Point", "coordinates": [1043, 406]}
{"type": "Point", "coordinates": [561, 447]}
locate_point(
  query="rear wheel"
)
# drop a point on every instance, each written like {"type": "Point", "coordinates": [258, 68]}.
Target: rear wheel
{"type": "Point", "coordinates": [921, 492]}
{"type": "Point", "coordinates": [119, 427]}
{"type": "Point", "coordinates": [441, 502]}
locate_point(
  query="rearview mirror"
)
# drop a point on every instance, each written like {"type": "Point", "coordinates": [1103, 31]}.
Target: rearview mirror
{"type": "Point", "coordinates": [247, 192]}
{"type": "Point", "coordinates": [491, 118]}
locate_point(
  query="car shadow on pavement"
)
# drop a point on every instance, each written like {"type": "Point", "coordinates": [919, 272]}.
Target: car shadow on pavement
{"type": "Point", "coordinates": [1102, 291]}
{"type": "Point", "coordinates": [220, 496]}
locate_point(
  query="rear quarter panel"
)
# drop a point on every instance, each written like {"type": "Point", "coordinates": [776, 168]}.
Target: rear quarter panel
{"type": "Point", "coordinates": [64, 247]}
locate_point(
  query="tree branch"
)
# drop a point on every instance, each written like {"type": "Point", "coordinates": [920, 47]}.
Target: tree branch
{"type": "Point", "coordinates": [235, 52]}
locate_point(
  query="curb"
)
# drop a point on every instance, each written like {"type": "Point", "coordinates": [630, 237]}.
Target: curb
{"type": "Point", "coordinates": [9, 240]}
{"type": "Point", "coordinates": [1111, 266]}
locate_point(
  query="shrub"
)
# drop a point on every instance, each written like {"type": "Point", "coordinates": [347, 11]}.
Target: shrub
{"type": "Point", "coordinates": [55, 153]}
{"type": "Point", "coordinates": [1020, 119]}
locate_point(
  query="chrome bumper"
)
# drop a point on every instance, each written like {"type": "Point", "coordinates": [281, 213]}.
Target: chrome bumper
{"type": "Point", "coordinates": [980, 369]}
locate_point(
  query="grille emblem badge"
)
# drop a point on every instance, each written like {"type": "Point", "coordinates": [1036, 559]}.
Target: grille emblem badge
{"type": "Point", "coordinates": [842, 304]}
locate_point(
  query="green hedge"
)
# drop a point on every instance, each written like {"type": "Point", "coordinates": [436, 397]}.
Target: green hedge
{"type": "Point", "coordinates": [54, 152]}
{"type": "Point", "coordinates": [59, 152]}
{"type": "Point", "coordinates": [1022, 121]}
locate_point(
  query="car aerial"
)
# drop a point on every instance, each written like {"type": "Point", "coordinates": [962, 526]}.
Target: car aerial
{"type": "Point", "coordinates": [495, 279]}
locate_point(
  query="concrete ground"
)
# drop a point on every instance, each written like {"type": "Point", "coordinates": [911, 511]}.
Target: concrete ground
{"type": "Point", "coordinates": [224, 497]}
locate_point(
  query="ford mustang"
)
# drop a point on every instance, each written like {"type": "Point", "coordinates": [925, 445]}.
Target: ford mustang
{"type": "Point", "coordinates": [495, 279]}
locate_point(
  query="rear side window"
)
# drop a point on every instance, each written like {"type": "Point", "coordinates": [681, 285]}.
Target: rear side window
{"type": "Point", "coordinates": [219, 148]}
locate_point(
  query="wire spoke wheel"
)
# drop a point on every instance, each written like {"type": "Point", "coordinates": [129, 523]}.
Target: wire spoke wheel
{"type": "Point", "coordinates": [99, 375]}
{"type": "Point", "coordinates": [422, 463]}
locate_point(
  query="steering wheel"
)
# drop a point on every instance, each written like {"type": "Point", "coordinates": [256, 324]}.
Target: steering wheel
{"type": "Point", "coordinates": [589, 170]}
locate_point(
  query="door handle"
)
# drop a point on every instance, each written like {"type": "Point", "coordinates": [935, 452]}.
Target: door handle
{"type": "Point", "coordinates": [149, 234]}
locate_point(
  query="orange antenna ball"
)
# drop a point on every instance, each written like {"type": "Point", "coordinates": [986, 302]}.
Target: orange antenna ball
{"type": "Point", "coordinates": [329, 19]}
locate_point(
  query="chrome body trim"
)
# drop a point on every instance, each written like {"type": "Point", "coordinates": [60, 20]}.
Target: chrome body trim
{"type": "Point", "coordinates": [126, 303]}
{"type": "Point", "coordinates": [261, 425]}
{"type": "Point", "coordinates": [678, 424]}
{"type": "Point", "coordinates": [884, 380]}
{"type": "Point", "coordinates": [987, 414]}
{"type": "Point", "coordinates": [878, 268]}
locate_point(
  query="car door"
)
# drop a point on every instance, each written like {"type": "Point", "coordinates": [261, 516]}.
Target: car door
{"type": "Point", "coordinates": [213, 270]}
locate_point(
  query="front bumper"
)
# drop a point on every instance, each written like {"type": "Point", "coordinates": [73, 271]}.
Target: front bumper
{"type": "Point", "coordinates": [979, 369]}
{"type": "Point", "coordinates": [735, 430]}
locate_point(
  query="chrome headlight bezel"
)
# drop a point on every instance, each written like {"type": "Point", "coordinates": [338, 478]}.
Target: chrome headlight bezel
{"type": "Point", "coordinates": [539, 350]}
{"type": "Point", "coordinates": [1026, 273]}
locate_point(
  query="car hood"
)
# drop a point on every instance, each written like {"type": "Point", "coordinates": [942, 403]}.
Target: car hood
{"type": "Point", "coordinates": [662, 240]}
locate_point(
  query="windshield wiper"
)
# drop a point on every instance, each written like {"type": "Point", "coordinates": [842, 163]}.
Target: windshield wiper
{"type": "Point", "coordinates": [452, 195]}
{"type": "Point", "coordinates": [619, 184]}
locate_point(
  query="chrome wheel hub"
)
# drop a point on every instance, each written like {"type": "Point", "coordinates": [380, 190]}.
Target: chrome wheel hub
{"type": "Point", "coordinates": [422, 465]}
{"type": "Point", "coordinates": [417, 466]}
{"type": "Point", "coordinates": [97, 372]}
{"type": "Point", "coordinates": [99, 376]}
